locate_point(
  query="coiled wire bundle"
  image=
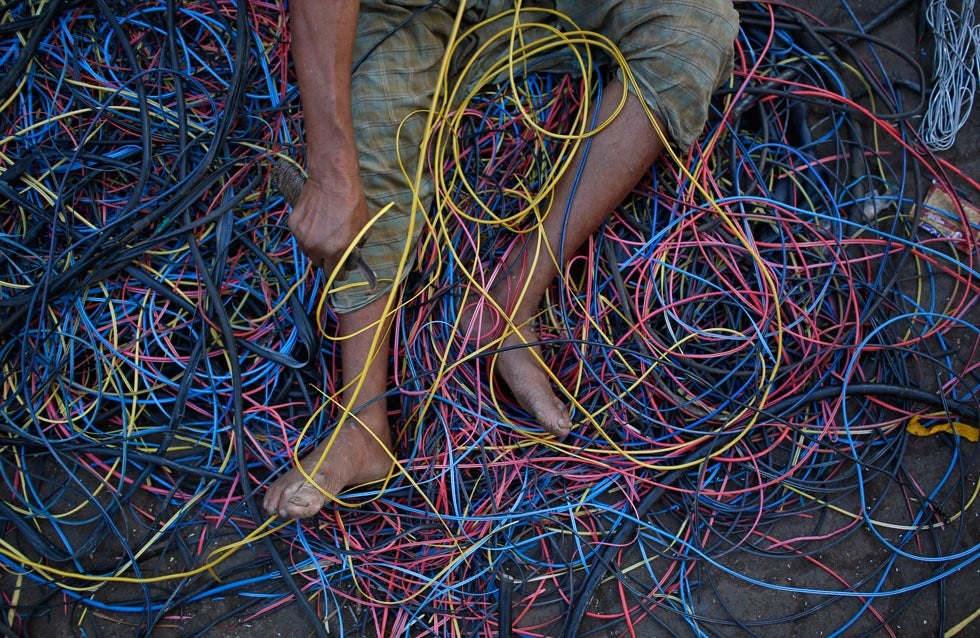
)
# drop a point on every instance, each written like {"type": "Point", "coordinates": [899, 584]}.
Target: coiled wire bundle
{"type": "Point", "coordinates": [745, 344]}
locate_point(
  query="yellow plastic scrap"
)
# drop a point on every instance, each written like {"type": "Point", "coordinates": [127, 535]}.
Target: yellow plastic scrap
{"type": "Point", "coordinates": [968, 432]}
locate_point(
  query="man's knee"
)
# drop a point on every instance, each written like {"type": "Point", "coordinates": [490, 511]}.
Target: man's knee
{"type": "Point", "coordinates": [718, 18]}
{"type": "Point", "coordinates": [679, 51]}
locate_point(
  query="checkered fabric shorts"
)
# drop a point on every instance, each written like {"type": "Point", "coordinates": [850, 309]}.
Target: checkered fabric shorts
{"type": "Point", "coordinates": [678, 51]}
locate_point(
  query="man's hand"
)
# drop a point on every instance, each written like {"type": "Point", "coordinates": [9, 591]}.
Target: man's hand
{"type": "Point", "coordinates": [326, 219]}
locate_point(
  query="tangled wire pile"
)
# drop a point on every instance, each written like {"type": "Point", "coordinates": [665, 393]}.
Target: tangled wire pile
{"type": "Point", "coordinates": [751, 345]}
{"type": "Point", "coordinates": [956, 73]}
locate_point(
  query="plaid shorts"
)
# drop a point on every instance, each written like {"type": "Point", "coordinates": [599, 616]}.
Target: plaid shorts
{"type": "Point", "coordinates": [678, 51]}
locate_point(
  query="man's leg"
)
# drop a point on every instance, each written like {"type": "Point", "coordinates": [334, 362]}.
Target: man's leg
{"type": "Point", "coordinates": [398, 54]}
{"type": "Point", "coordinates": [678, 51]}
{"type": "Point", "coordinates": [360, 451]}
{"type": "Point", "coordinates": [617, 158]}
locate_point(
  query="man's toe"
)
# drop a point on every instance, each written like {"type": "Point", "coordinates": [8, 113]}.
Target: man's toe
{"type": "Point", "coordinates": [303, 501]}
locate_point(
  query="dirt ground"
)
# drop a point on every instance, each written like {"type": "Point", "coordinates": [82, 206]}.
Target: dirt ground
{"type": "Point", "coordinates": [930, 599]}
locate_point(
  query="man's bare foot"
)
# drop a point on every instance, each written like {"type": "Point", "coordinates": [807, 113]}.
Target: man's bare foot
{"type": "Point", "coordinates": [353, 458]}
{"type": "Point", "coordinates": [517, 363]}
{"type": "Point", "coordinates": [520, 367]}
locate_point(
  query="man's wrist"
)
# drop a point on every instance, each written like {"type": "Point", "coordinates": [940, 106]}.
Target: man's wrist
{"type": "Point", "coordinates": [333, 165]}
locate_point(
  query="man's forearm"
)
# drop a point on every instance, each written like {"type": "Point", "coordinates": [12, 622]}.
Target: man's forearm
{"type": "Point", "coordinates": [323, 33]}
{"type": "Point", "coordinates": [331, 209]}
